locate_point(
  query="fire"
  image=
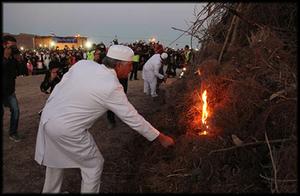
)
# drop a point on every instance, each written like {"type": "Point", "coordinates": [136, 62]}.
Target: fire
{"type": "Point", "coordinates": [204, 113]}
{"type": "Point", "coordinates": [204, 108]}
{"type": "Point", "coordinates": [203, 133]}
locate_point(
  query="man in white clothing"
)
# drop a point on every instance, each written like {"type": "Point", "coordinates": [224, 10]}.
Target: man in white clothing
{"type": "Point", "coordinates": [84, 94]}
{"type": "Point", "coordinates": [151, 73]}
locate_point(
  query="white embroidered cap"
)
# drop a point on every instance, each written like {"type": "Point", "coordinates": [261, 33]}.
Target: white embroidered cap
{"type": "Point", "coordinates": [120, 52]}
{"type": "Point", "coordinates": [164, 55]}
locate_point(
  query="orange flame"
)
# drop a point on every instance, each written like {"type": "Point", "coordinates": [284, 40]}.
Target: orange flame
{"type": "Point", "coordinates": [204, 107]}
{"type": "Point", "coordinates": [203, 133]}
{"type": "Point", "coordinates": [204, 113]}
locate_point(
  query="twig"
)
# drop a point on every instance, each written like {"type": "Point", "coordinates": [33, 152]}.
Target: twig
{"type": "Point", "coordinates": [271, 179]}
{"type": "Point", "coordinates": [116, 173]}
{"type": "Point", "coordinates": [190, 33]}
{"type": "Point", "coordinates": [177, 170]}
{"type": "Point", "coordinates": [226, 39]}
{"type": "Point", "coordinates": [179, 175]}
{"type": "Point", "coordinates": [197, 20]}
{"type": "Point", "coordinates": [244, 83]}
{"type": "Point", "coordinates": [231, 80]}
{"type": "Point", "coordinates": [242, 17]}
{"type": "Point", "coordinates": [234, 33]}
{"type": "Point", "coordinates": [189, 27]}
{"type": "Point", "coordinates": [276, 49]}
{"type": "Point", "coordinates": [247, 187]}
{"type": "Point", "coordinates": [252, 144]}
{"type": "Point", "coordinates": [273, 163]}
{"type": "Point", "coordinates": [268, 64]}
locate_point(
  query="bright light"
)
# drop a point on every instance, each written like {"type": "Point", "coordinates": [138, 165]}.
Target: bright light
{"type": "Point", "coordinates": [80, 46]}
{"type": "Point", "coordinates": [22, 48]}
{"type": "Point", "coordinates": [40, 45]}
{"type": "Point", "coordinates": [52, 43]}
{"type": "Point", "coordinates": [203, 133]}
{"type": "Point", "coordinates": [45, 45]}
{"type": "Point", "coordinates": [184, 69]}
{"type": "Point", "coordinates": [34, 50]}
{"type": "Point", "coordinates": [88, 44]}
{"type": "Point", "coordinates": [196, 49]}
{"type": "Point", "coordinates": [204, 108]}
{"type": "Point", "coordinates": [181, 74]}
{"type": "Point", "coordinates": [152, 39]}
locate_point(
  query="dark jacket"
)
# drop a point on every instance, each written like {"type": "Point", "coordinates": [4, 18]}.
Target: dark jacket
{"type": "Point", "coordinates": [46, 84]}
{"type": "Point", "coordinates": [9, 74]}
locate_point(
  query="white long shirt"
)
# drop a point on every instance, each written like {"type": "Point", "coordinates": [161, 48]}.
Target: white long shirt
{"type": "Point", "coordinates": [84, 94]}
{"type": "Point", "coordinates": [151, 68]}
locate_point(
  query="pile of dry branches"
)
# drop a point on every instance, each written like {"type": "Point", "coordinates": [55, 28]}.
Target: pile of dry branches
{"type": "Point", "coordinates": [247, 63]}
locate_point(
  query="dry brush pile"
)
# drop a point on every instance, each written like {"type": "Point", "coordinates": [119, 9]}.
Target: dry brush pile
{"type": "Point", "coordinates": [247, 63]}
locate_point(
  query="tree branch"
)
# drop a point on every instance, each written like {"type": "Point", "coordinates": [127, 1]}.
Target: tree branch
{"type": "Point", "coordinates": [273, 163]}
{"type": "Point", "coordinates": [252, 144]}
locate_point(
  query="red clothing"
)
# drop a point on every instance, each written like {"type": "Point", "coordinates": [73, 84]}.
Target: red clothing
{"type": "Point", "coordinates": [158, 49]}
{"type": "Point", "coordinates": [29, 68]}
{"type": "Point", "coordinates": [73, 60]}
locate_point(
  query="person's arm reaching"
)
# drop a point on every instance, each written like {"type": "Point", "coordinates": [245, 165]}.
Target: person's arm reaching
{"type": "Point", "coordinates": [119, 104]}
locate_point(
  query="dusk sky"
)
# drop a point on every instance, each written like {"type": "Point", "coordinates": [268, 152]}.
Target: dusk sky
{"type": "Point", "coordinates": [102, 21]}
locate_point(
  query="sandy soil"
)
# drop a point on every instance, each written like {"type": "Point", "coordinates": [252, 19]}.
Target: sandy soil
{"type": "Point", "coordinates": [21, 174]}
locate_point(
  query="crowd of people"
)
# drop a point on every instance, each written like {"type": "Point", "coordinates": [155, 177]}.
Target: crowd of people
{"type": "Point", "coordinates": [37, 61]}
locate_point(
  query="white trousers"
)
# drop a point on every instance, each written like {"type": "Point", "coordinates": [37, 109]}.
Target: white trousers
{"type": "Point", "coordinates": [150, 86]}
{"type": "Point", "coordinates": [90, 182]}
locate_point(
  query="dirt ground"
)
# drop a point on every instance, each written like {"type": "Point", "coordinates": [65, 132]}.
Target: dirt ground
{"type": "Point", "coordinates": [21, 174]}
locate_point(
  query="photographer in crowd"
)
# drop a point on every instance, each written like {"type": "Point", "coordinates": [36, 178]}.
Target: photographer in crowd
{"type": "Point", "coordinates": [9, 73]}
{"type": "Point", "coordinates": [52, 77]}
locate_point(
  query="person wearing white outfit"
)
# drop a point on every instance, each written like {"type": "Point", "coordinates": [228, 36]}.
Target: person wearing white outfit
{"type": "Point", "coordinates": [47, 61]}
{"type": "Point", "coordinates": [151, 73]}
{"type": "Point", "coordinates": [84, 94]}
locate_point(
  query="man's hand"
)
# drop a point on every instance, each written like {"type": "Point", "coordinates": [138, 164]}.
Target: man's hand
{"type": "Point", "coordinates": [165, 140]}
{"type": "Point", "coordinates": [165, 78]}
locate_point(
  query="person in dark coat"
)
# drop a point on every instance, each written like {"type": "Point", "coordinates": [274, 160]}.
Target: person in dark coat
{"type": "Point", "coordinates": [9, 73]}
{"type": "Point", "coordinates": [52, 77]}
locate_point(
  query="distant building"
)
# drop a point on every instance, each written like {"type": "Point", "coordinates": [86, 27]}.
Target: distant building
{"type": "Point", "coordinates": [59, 42]}
{"type": "Point", "coordinates": [30, 41]}
{"type": "Point", "coordinates": [23, 40]}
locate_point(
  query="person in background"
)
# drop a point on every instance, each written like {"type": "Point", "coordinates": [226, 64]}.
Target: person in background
{"type": "Point", "coordinates": [187, 56]}
{"type": "Point", "coordinates": [20, 64]}
{"type": "Point", "coordinates": [47, 61]}
{"type": "Point", "coordinates": [115, 41]}
{"type": "Point", "coordinates": [151, 73]}
{"type": "Point", "coordinates": [52, 77]}
{"type": "Point", "coordinates": [8, 95]}
{"type": "Point", "coordinates": [84, 54]}
{"type": "Point", "coordinates": [63, 140]}
{"type": "Point", "coordinates": [90, 54]}
{"type": "Point", "coordinates": [29, 66]}
{"type": "Point", "coordinates": [171, 69]}
{"type": "Point", "coordinates": [136, 63]}
{"type": "Point", "coordinates": [100, 53]}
